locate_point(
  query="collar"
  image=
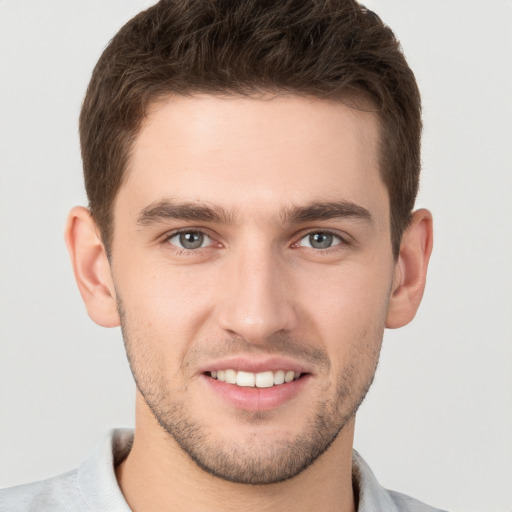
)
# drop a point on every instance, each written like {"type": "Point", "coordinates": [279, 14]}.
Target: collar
{"type": "Point", "coordinates": [97, 478]}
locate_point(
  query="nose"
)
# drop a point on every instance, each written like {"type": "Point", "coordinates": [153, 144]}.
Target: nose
{"type": "Point", "coordinates": [258, 295]}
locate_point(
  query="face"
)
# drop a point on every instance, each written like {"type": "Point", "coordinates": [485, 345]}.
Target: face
{"type": "Point", "coordinates": [252, 267]}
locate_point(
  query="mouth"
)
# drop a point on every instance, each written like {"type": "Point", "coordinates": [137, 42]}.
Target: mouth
{"type": "Point", "coordinates": [264, 379]}
{"type": "Point", "coordinates": [266, 387]}
{"type": "Point", "coordinates": [257, 383]}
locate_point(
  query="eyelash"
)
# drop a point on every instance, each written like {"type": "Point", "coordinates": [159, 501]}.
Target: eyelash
{"type": "Point", "coordinates": [343, 241]}
{"type": "Point", "coordinates": [181, 250]}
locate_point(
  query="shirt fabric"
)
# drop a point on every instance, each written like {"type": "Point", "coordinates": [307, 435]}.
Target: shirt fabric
{"type": "Point", "coordinates": [93, 487]}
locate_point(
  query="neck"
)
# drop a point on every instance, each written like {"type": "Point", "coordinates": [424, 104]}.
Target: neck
{"type": "Point", "coordinates": [159, 476]}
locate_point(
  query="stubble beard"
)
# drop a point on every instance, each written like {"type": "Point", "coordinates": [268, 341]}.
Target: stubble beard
{"type": "Point", "coordinates": [256, 462]}
{"type": "Point", "coordinates": [261, 461]}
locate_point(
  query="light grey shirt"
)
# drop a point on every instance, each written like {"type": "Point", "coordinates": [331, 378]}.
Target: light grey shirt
{"type": "Point", "coordinates": [92, 487]}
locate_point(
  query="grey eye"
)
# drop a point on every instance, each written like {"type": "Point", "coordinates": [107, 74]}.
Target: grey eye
{"type": "Point", "coordinates": [190, 240]}
{"type": "Point", "coordinates": [320, 240]}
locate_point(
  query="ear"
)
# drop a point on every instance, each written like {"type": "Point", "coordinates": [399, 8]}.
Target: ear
{"type": "Point", "coordinates": [91, 267]}
{"type": "Point", "coordinates": [410, 270]}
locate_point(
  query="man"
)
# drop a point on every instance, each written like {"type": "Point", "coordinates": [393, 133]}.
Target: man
{"type": "Point", "coordinates": [251, 170]}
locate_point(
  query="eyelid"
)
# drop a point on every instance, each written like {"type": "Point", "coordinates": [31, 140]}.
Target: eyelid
{"type": "Point", "coordinates": [335, 239]}
{"type": "Point", "coordinates": [171, 234]}
{"type": "Point", "coordinates": [345, 238]}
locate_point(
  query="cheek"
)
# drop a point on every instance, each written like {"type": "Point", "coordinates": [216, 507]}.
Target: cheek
{"type": "Point", "coordinates": [166, 304]}
{"type": "Point", "coordinates": [346, 311]}
{"type": "Point", "coordinates": [355, 292]}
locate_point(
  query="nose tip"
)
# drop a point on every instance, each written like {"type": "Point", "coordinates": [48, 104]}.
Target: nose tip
{"type": "Point", "coordinates": [258, 301]}
{"type": "Point", "coordinates": [255, 326]}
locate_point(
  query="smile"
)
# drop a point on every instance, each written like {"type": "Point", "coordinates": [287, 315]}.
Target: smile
{"type": "Point", "coordinates": [265, 379]}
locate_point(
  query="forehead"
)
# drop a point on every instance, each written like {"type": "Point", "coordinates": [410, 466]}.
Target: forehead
{"type": "Point", "coordinates": [254, 154]}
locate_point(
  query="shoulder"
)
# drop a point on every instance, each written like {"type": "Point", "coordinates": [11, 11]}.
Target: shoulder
{"type": "Point", "coordinates": [89, 488]}
{"type": "Point", "coordinates": [58, 494]}
{"type": "Point", "coordinates": [405, 503]}
{"type": "Point", "coordinates": [372, 496]}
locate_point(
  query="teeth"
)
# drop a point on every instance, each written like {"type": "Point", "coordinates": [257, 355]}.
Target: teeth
{"type": "Point", "coordinates": [279, 377]}
{"type": "Point", "coordinates": [245, 379]}
{"type": "Point", "coordinates": [251, 380]}
{"type": "Point", "coordinates": [265, 380]}
{"type": "Point", "coordinates": [230, 376]}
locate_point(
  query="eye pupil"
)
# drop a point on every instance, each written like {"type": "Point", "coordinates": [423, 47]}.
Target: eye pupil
{"type": "Point", "coordinates": [320, 240]}
{"type": "Point", "coordinates": [191, 239]}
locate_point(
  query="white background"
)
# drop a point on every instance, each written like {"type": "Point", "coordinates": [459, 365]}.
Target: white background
{"type": "Point", "coordinates": [438, 421]}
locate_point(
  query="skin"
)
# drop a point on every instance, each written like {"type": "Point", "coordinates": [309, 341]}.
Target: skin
{"type": "Point", "coordinates": [269, 169]}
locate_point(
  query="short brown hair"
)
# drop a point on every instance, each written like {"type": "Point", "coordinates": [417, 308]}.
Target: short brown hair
{"type": "Point", "coordinates": [328, 49]}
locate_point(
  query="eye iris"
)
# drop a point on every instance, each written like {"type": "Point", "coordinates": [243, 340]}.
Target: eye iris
{"type": "Point", "coordinates": [320, 240]}
{"type": "Point", "coordinates": [191, 240]}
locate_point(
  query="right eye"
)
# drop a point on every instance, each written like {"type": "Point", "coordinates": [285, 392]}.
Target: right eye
{"type": "Point", "coordinates": [190, 240]}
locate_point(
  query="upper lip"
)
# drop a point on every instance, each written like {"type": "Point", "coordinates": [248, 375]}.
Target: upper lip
{"type": "Point", "coordinates": [255, 365]}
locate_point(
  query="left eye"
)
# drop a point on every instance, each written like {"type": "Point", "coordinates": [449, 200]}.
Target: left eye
{"type": "Point", "coordinates": [320, 240]}
{"type": "Point", "coordinates": [190, 240]}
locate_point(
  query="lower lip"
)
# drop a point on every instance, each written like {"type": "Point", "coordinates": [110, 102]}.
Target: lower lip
{"type": "Point", "coordinates": [256, 399]}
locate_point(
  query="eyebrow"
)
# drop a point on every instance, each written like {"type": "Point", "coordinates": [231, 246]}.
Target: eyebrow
{"type": "Point", "coordinates": [327, 211]}
{"type": "Point", "coordinates": [167, 209]}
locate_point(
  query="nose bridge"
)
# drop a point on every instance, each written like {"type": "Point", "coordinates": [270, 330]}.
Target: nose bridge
{"type": "Point", "coordinates": [258, 299]}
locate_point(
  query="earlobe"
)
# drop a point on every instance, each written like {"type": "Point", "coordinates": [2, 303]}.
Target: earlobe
{"type": "Point", "coordinates": [410, 270]}
{"type": "Point", "coordinates": [91, 267]}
